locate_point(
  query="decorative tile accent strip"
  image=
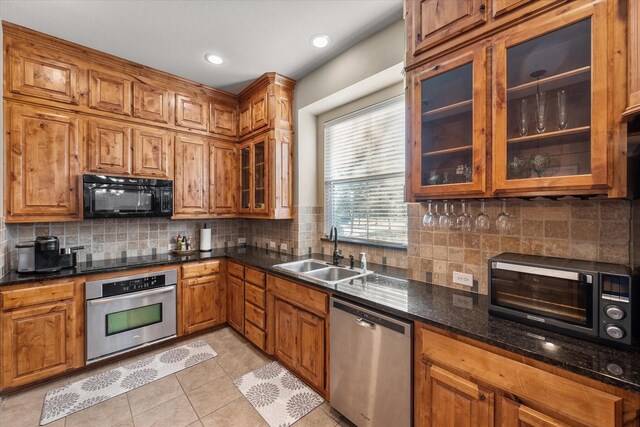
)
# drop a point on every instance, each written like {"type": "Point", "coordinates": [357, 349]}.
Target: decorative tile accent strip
{"type": "Point", "coordinates": [79, 395]}
{"type": "Point", "coordinates": [278, 395]}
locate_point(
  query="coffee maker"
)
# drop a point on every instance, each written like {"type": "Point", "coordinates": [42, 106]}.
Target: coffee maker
{"type": "Point", "coordinates": [45, 256]}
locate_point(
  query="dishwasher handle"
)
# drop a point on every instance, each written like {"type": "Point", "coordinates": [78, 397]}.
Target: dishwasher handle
{"type": "Point", "coordinates": [365, 323]}
{"type": "Point", "coordinates": [371, 319]}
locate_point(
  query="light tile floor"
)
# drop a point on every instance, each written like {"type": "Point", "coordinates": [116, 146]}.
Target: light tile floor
{"type": "Point", "coordinates": [202, 396]}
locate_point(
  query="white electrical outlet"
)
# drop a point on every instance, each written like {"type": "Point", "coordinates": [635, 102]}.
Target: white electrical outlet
{"type": "Point", "coordinates": [283, 247]}
{"type": "Point", "coordinates": [463, 278]}
{"type": "Point", "coordinates": [242, 240]}
{"type": "Point", "coordinates": [272, 245]}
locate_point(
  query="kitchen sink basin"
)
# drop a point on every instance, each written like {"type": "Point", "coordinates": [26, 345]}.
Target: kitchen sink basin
{"type": "Point", "coordinates": [321, 272]}
{"type": "Point", "coordinates": [303, 266]}
{"type": "Point", "coordinates": [334, 274]}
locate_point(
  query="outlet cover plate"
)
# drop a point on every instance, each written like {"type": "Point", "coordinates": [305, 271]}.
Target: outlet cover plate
{"type": "Point", "coordinates": [463, 279]}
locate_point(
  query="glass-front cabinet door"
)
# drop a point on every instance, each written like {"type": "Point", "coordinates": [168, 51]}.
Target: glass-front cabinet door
{"type": "Point", "coordinates": [253, 176]}
{"type": "Point", "coordinates": [550, 105]}
{"type": "Point", "coordinates": [448, 137]}
{"type": "Point", "coordinates": [260, 175]}
{"type": "Point", "coordinates": [245, 178]}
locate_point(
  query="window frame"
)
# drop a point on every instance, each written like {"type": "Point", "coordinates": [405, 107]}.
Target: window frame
{"type": "Point", "coordinates": [401, 174]}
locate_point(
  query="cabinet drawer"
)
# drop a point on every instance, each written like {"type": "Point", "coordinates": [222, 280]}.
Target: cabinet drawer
{"type": "Point", "coordinates": [236, 269]}
{"type": "Point", "coordinates": [254, 276]}
{"type": "Point", "coordinates": [254, 315]}
{"type": "Point", "coordinates": [200, 269]}
{"type": "Point", "coordinates": [254, 335]}
{"type": "Point", "coordinates": [313, 300]}
{"type": "Point", "coordinates": [574, 400]}
{"type": "Point", "coordinates": [36, 295]}
{"type": "Point", "coordinates": [254, 295]}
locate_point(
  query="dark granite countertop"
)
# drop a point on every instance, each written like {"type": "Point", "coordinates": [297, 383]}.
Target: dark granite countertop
{"type": "Point", "coordinates": [388, 290]}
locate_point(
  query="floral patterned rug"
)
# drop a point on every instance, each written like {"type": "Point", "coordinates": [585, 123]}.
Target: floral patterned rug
{"type": "Point", "coordinates": [278, 395]}
{"type": "Point", "coordinates": [79, 395]}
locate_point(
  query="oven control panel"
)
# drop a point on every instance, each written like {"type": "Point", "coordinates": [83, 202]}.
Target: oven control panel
{"type": "Point", "coordinates": [132, 285]}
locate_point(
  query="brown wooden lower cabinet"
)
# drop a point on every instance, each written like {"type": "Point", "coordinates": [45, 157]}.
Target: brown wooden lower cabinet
{"type": "Point", "coordinates": [299, 342]}
{"type": "Point", "coordinates": [446, 397]}
{"type": "Point", "coordinates": [39, 329]}
{"type": "Point", "coordinates": [518, 415]}
{"type": "Point", "coordinates": [459, 382]}
{"type": "Point", "coordinates": [203, 300]}
{"type": "Point", "coordinates": [235, 303]}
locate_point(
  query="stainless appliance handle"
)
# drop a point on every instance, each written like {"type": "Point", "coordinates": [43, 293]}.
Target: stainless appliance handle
{"type": "Point", "coordinates": [133, 295]}
{"type": "Point", "coordinates": [364, 323]}
{"type": "Point", "coordinates": [548, 272]}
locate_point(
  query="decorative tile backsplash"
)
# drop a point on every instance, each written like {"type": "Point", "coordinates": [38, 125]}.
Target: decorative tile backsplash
{"type": "Point", "coordinates": [591, 230]}
{"type": "Point", "coordinates": [108, 238]}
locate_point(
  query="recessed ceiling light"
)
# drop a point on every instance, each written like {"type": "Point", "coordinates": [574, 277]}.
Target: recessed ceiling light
{"type": "Point", "coordinates": [320, 40]}
{"type": "Point", "coordinates": [214, 59]}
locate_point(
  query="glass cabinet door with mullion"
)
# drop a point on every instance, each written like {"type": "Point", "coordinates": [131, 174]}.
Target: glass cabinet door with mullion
{"type": "Point", "coordinates": [550, 105]}
{"type": "Point", "coordinates": [245, 178]}
{"type": "Point", "coordinates": [449, 122]}
{"type": "Point", "coordinates": [260, 175]}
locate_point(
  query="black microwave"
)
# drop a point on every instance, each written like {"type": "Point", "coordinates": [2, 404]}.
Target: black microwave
{"type": "Point", "coordinates": [590, 300]}
{"type": "Point", "coordinates": [123, 197]}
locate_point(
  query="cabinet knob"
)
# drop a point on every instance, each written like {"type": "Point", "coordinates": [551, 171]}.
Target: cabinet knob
{"type": "Point", "coordinates": [436, 68]}
{"type": "Point", "coordinates": [482, 397]}
{"type": "Point", "coordinates": [483, 7]}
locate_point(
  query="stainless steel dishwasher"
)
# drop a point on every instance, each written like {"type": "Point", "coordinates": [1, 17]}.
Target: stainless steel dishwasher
{"type": "Point", "coordinates": [370, 366]}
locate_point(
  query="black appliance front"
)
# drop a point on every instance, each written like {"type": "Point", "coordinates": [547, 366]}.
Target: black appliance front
{"type": "Point", "coordinates": [585, 299]}
{"type": "Point", "coordinates": [123, 197]}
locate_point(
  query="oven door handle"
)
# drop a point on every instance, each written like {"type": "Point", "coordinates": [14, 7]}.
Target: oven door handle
{"type": "Point", "coordinates": [548, 272]}
{"type": "Point", "coordinates": [100, 301]}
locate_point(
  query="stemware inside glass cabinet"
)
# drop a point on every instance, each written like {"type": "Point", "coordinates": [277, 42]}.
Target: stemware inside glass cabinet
{"type": "Point", "coordinates": [447, 123]}
{"type": "Point", "coordinates": [259, 182]}
{"type": "Point", "coordinates": [549, 104]}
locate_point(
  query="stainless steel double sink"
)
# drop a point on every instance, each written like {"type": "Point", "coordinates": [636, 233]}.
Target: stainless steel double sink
{"type": "Point", "coordinates": [320, 271]}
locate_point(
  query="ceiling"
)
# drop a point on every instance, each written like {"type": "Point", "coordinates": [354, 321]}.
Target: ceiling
{"type": "Point", "coordinates": [253, 36]}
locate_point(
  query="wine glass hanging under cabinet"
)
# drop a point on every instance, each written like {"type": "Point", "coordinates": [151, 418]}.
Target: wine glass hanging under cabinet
{"type": "Point", "coordinates": [449, 140]}
{"type": "Point", "coordinates": [550, 107]}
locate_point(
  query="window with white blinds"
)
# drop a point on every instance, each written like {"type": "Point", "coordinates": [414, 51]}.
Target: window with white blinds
{"type": "Point", "coordinates": [364, 167]}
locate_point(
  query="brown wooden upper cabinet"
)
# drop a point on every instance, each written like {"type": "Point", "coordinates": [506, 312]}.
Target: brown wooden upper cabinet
{"type": "Point", "coordinates": [191, 112]}
{"type": "Point", "coordinates": [223, 178]}
{"type": "Point", "coordinates": [633, 18]}
{"type": "Point", "coordinates": [43, 165]}
{"type": "Point", "coordinates": [43, 77]}
{"type": "Point", "coordinates": [552, 116]}
{"type": "Point", "coordinates": [254, 176]}
{"type": "Point", "coordinates": [550, 127]}
{"type": "Point", "coordinates": [435, 27]}
{"type": "Point", "coordinates": [223, 119]}
{"type": "Point", "coordinates": [449, 126]}
{"type": "Point", "coordinates": [254, 112]}
{"type": "Point", "coordinates": [116, 148]}
{"type": "Point", "coordinates": [191, 186]}
{"type": "Point", "coordinates": [438, 20]}
{"type": "Point", "coordinates": [152, 103]}
{"type": "Point", "coordinates": [109, 93]}
{"type": "Point", "coordinates": [152, 152]}
{"type": "Point", "coordinates": [108, 147]}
